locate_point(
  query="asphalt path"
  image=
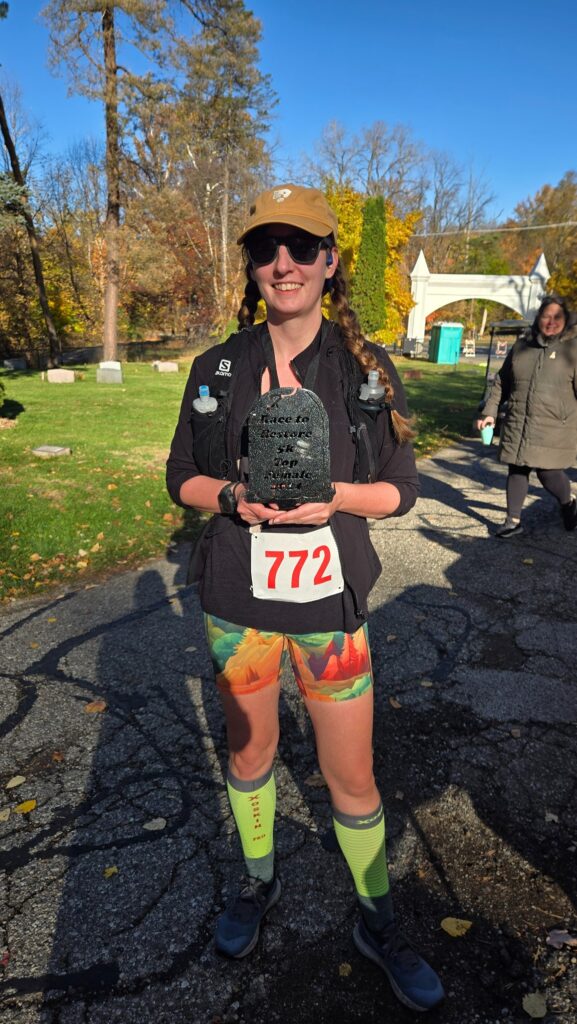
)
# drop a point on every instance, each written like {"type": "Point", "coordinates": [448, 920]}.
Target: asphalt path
{"type": "Point", "coordinates": [110, 885]}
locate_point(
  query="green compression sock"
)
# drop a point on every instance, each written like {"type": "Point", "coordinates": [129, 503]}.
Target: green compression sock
{"type": "Point", "coordinates": [253, 805]}
{"type": "Point", "coordinates": [362, 841]}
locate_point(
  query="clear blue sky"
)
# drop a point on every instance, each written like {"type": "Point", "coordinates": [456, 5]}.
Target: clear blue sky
{"type": "Point", "coordinates": [493, 84]}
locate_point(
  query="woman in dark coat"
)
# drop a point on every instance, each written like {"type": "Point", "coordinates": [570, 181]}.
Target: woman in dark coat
{"type": "Point", "coordinates": [538, 381]}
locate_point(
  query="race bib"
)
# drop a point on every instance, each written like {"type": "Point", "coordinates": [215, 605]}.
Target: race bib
{"type": "Point", "coordinates": [297, 567]}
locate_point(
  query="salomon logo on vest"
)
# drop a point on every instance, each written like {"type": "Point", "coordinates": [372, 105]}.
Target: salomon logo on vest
{"type": "Point", "coordinates": [223, 368]}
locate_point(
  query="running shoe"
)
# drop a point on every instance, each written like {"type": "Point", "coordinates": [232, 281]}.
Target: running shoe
{"type": "Point", "coordinates": [509, 528]}
{"type": "Point", "coordinates": [237, 929]}
{"type": "Point", "coordinates": [413, 981]}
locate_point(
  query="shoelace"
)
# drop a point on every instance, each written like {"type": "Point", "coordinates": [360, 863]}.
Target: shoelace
{"type": "Point", "coordinates": [396, 947]}
{"type": "Point", "coordinates": [251, 897]}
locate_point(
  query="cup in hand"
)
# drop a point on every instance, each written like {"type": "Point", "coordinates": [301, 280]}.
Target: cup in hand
{"type": "Point", "coordinates": [487, 434]}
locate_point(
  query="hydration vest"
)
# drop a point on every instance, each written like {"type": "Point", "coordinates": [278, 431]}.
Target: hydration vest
{"type": "Point", "coordinates": [209, 430]}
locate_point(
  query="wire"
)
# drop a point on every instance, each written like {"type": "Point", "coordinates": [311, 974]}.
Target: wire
{"type": "Point", "coordinates": [495, 230]}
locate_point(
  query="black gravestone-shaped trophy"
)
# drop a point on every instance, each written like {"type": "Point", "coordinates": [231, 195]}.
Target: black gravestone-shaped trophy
{"type": "Point", "coordinates": [288, 449]}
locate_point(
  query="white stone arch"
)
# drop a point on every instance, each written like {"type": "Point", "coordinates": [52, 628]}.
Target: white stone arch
{"type": "Point", "coordinates": [523, 293]}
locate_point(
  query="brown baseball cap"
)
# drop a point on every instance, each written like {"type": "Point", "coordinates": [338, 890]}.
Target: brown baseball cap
{"type": "Point", "coordinates": [301, 207]}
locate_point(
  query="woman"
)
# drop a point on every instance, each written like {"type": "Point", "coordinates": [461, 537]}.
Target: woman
{"type": "Point", "coordinates": [538, 381]}
{"type": "Point", "coordinates": [291, 260]}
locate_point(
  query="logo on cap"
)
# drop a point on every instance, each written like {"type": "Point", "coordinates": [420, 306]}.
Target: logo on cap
{"type": "Point", "coordinates": [280, 194]}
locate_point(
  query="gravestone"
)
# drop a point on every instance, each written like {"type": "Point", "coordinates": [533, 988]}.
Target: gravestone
{"type": "Point", "coordinates": [288, 449]}
{"type": "Point", "coordinates": [17, 363]}
{"type": "Point", "coordinates": [50, 451]}
{"type": "Point", "coordinates": [164, 366]}
{"type": "Point", "coordinates": [60, 376]}
{"type": "Point", "coordinates": [109, 372]}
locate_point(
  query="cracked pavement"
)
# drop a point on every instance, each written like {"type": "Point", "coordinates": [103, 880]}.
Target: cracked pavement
{"type": "Point", "coordinates": [474, 639]}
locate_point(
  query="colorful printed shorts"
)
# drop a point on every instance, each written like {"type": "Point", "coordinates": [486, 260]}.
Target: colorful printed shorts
{"type": "Point", "coordinates": [327, 666]}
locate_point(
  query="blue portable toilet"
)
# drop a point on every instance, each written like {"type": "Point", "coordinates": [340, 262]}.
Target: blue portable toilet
{"type": "Point", "coordinates": [445, 343]}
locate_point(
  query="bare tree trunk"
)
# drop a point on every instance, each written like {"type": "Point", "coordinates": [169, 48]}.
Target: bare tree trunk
{"type": "Point", "coordinates": [54, 346]}
{"type": "Point", "coordinates": [112, 223]}
{"type": "Point", "coordinates": [224, 238]}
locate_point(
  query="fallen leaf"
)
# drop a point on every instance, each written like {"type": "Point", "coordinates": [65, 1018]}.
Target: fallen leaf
{"type": "Point", "coordinates": [391, 637]}
{"type": "Point", "coordinates": [549, 816]}
{"type": "Point", "coordinates": [95, 707]}
{"type": "Point", "coordinates": [16, 780]}
{"type": "Point", "coordinates": [5, 958]}
{"type": "Point", "coordinates": [455, 926]}
{"type": "Point", "coordinates": [26, 807]}
{"type": "Point", "coordinates": [4, 814]}
{"type": "Point", "coordinates": [155, 825]}
{"type": "Point", "coordinates": [515, 733]}
{"type": "Point", "coordinates": [138, 517]}
{"type": "Point", "coordinates": [148, 504]}
{"type": "Point", "coordinates": [112, 487]}
{"type": "Point", "coordinates": [558, 939]}
{"type": "Point", "coordinates": [52, 619]}
{"type": "Point", "coordinates": [316, 781]}
{"type": "Point", "coordinates": [535, 1005]}
{"type": "Point", "coordinates": [95, 547]}
{"type": "Point", "coordinates": [395, 703]}
{"type": "Point", "coordinates": [57, 756]}
{"type": "Point", "coordinates": [427, 683]}
{"type": "Point", "coordinates": [35, 557]}
{"type": "Point", "coordinates": [109, 872]}
{"type": "Point", "coordinates": [527, 561]}
{"type": "Point", "coordinates": [167, 517]}
{"type": "Point", "coordinates": [345, 970]}
{"type": "Point", "coordinates": [81, 565]}
{"type": "Point", "coordinates": [34, 644]}
{"type": "Point", "coordinates": [100, 536]}
{"type": "Point", "coordinates": [82, 552]}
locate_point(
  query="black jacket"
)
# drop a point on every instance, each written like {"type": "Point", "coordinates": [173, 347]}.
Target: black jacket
{"type": "Point", "coordinates": [222, 558]}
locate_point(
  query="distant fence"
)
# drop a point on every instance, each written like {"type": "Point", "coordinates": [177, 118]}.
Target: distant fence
{"type": "Point", "coordinates": [128, 351]}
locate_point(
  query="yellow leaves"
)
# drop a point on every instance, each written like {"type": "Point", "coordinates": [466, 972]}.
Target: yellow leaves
{"type": "Point", "coordinates": [396, 704]}
{"type": "Point", "coordinates": [35, 557]}
{"type": "Point", "coordinates": [391, 638]}
{"type": "Point", "coordinates": [52, 618]}
{"type": "Point", "coordinates": [345, 970]}
{"type": "Point", "coordinates": [535, 1005]}
{"type": "Point", "coordinates": [427, 683]}
{"type": "Point", "coordinates": [148, 504]}
{"type": "Point", "coordinates": [112, 487]}
{"type": "Point", "coordinates": [110, 871]}
{"type": "Point", "coordinates": [95, 547]}
{"type": "Point", "coordinates": [15, 781]}
{"type": "Point", "coordinates": [95, 707]}
{"type": "Point", "coordinates": [455, 926]}
{"type": "Point", "coordinates": [4, 814]}
{"type": "Point", "coordinates": [26, 807]}
{"type": "Point", "coordinates": [528, 561]}
{"type": "Point", "coordinates": [100, 536]}
{"type": "Point", "coordinates": [81, 565]}
{"type": "Point", "coordinates": [155, 825]}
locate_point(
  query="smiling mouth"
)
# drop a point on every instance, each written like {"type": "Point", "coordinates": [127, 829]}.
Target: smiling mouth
{"type": "Point", "coordinates": [287, 286]}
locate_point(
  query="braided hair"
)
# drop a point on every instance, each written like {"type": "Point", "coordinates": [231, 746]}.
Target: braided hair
{"type": "Point", "coordinates": [352, 334]}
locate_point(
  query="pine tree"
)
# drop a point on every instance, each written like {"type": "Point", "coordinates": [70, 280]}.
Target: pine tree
{"type": "Point", "coordinates": [368, 286]}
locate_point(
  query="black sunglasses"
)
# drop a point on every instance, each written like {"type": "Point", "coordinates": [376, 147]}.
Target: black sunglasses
{"type": "Point", "coordinates": [263, 249]}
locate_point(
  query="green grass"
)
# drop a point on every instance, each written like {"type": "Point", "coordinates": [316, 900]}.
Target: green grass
{"type": "Point", "coordinates": [105, 504]}
{"type": "Point", "coordinates": [75, 517]}
{"type": "Point", "coordinates": [444, 401]}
